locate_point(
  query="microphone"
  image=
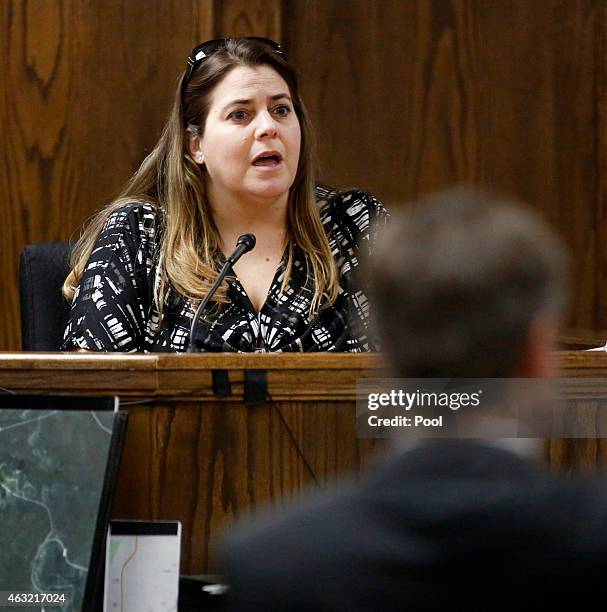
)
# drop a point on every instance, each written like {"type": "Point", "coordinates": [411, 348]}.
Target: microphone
{"type": "Point", "coordinates": [244, 244]}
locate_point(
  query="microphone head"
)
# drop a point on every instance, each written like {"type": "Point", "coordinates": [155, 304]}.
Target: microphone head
{"type": "Point", "coordinates": [248, 241]}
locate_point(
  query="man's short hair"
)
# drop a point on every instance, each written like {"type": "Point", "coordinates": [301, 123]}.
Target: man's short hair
{"type": "Point", "coordinates": [457, 280]}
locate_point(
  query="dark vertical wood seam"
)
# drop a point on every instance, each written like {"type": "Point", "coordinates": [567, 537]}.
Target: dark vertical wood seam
{"type": "Point", "coordinates": [600, 144]}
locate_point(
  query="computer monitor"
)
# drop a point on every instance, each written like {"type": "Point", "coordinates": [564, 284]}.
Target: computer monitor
{"type": "Point", "coordinates": [59, 459]}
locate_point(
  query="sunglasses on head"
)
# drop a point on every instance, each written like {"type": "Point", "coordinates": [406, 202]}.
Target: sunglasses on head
{"type": "Point", "coordinates": [208, 48]}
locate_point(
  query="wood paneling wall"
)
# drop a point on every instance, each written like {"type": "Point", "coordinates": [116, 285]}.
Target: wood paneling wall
{"type": "Point", "coordinates": [85, 87]}
{"type": "Point", "coordinates": [407, 96]}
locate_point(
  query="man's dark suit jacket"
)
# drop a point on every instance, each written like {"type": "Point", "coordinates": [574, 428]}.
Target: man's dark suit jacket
{"type": "Point", "coordinates": [456, 526]}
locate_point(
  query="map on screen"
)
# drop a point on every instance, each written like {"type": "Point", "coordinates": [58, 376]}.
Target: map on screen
{"type": "Point", "coordinates": [58, 465]}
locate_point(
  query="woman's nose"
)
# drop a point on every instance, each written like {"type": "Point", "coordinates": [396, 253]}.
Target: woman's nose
{"type": "Point", "coordinates": [266, 127]}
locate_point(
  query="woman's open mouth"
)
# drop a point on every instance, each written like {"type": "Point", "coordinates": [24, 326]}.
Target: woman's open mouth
{"type": "Point", "coordinates": [268, 159]}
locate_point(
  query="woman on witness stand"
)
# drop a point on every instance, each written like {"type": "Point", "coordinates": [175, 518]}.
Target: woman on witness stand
{"type": "Point", "coordinates": [235, 157]}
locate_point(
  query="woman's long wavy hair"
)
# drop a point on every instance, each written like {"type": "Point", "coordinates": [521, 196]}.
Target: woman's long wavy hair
{"type": "Point", "coordinates": [171, 181]}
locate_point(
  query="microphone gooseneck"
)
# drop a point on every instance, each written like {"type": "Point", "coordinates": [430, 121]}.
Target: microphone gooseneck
{"type": "Point", "coordinates": [244, 244]}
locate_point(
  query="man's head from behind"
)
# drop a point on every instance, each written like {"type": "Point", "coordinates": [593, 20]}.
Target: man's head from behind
{"type": "Point", "coordinates": [468, 285]}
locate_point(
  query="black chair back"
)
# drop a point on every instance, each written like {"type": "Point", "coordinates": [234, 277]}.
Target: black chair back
{"type": "Point", "coordinates": [44, 310]}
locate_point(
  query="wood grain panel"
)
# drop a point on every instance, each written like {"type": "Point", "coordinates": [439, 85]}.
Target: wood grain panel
{"type": "Point", "coordinates": [207, 465]}
{"type": "Point", "coordinates": [411, 96]}
{"type": "Point", "coordinates": [183, 377]}
{"type": "Point", "coordinates": [207, 462]}
{"type": "Point", "coordinates": [85, 89]}
{"type": "Point", "coordinates": [599, 210]}
{"type": "Point", "coordinates": [249, 18]}
{"type": "Point", "coordinates": [407, 95]}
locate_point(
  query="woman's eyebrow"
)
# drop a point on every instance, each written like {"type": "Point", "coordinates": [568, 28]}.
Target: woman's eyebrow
{"type": "Point", "coordinates": [281, 95]}
{"type": "Point", "coordinates": [234, 102]}
{"type": "Point", "coordinates": [245, 101]}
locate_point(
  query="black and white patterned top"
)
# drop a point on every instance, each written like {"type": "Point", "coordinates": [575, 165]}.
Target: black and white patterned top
{"type": "Point", "coordinates": [113, 308]}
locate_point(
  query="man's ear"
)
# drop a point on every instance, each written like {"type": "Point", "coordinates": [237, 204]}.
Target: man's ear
{"type": "Point", "coordinates": [538, 359]}
{"type": "Point", "coordinates": [195, 144]}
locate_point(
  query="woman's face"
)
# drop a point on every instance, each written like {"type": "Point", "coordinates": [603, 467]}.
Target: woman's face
{"type": "Point", "coordinates": [251, 140]}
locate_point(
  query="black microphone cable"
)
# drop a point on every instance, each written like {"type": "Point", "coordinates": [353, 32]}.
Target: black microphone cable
{"type": "Point", "coordinates": [294, 442]}
{"type": "Point", "coordinates": [244, 244]}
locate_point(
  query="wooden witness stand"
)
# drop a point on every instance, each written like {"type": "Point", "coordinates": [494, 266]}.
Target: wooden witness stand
{"type": "Point", "coordinates": [205, 460]}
